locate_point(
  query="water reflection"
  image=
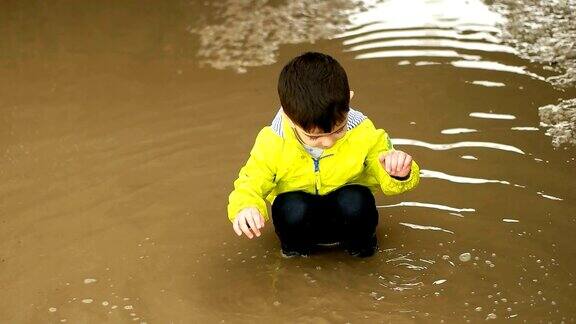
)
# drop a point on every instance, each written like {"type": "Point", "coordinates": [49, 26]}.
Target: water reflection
{"type": "Point", "coordinates": [249, 33]}
{"type": "Point", "coordinates": [460, 15]}
{"type": "Point", "coordinates": [443, 29]}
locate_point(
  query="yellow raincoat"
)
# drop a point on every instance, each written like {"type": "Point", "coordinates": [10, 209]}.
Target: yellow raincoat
{"type": "Point", "coordinates": [279, 163]}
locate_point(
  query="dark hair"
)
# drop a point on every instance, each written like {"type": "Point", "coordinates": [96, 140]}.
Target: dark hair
{"type": "Point", "coordinates": [314, 91]}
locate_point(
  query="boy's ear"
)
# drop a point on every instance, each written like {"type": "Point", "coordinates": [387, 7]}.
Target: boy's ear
{"type": "Point", "coordinates": [351, 94]}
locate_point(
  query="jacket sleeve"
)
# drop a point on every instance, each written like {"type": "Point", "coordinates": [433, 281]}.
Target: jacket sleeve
{"type": "Point", "coordinates": [257, 177]}
{"type": "Point", "coordinates": [388, 184]}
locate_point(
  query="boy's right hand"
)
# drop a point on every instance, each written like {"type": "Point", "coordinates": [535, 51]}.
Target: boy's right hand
{"type": "Point", "coordinates": [246, 220]}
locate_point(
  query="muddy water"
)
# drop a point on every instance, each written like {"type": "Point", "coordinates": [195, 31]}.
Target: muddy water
{"type": "Point", "coordinates": [118, 153]}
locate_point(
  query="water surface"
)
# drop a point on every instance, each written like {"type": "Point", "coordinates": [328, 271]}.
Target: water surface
{"type": "Point", "coordinates": [122, 129]}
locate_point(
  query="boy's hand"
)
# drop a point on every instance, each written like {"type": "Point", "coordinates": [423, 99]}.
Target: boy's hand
{"type": "Point", "coordinates": [396, 163]}
{"type": "Point", "coordinates": [246, 220]}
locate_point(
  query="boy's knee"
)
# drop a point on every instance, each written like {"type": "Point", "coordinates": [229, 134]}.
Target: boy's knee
{"type": "Point", "coordinates": [290, 209]}
{"type": "Point", "coordinates": [357, 205]}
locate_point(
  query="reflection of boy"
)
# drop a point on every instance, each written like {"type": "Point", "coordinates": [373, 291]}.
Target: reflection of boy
{"type": "Point", "coordinates": [319, 163]}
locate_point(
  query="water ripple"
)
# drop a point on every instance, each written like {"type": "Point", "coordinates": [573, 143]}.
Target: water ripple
{"type": "Point", "coordinates": [432, 42]}
{"type": "Point", "coordinates": [495, 66]}
{"type": "Point", "coordinates": [489, 84]}
{"type": "Point", "coordinates": [417, 53]}
{"type": "Point", "coordinates": [422, 33]}
{"type": "Point", "coordinates": [428, 205]}
{"type": "Point", "coordinates": [451, 131]}
{"type": "Point", "coordinates": [443, 147]}
{"type": "Point", "coordinates": [457, 179]}
{"type": "Point", "coordinates": [491, 115]}
{"type": "Point", "coordinates": [461, 28]}
{"type": "Point", "coordinates": [425, 227]}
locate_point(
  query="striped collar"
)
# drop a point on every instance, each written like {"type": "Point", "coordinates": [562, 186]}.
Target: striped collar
{"type": "Point", "coordinates": [354, 119]}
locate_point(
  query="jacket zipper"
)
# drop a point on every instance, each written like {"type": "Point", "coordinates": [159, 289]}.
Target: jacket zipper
{"type": "Point", "coordinates": [317, 171]}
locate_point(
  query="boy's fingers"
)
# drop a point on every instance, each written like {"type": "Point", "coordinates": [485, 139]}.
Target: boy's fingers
{"type": "Point", "coordinates": [256, 217]}
{"type": "Point", "coordinates": [400, 162]}
{"type": "Point", "coordinates": [393, 163]}
{"type": "Point", "coordinates": [245, 228]}
{"type": "Point", "coordinates": [236, 227]}
{"type": "Point", "coordinates": [253, 227]}
{"type": "Point", "coordinates": [262, 221]}
{"type": "Point", "coordinates": [408, 162]}
{"type": "Point", "coordinates": [387, 162]}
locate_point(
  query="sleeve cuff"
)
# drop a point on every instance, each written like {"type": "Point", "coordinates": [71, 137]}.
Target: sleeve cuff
{"type": "Point", "coordinates": [402, 178]}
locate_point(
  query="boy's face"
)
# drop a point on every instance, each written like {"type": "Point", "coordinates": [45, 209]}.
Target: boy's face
{"type": "Point", "coordinates": [317, 138]}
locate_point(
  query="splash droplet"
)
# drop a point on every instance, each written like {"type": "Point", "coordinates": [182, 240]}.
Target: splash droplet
{"type": "Point", "coordinates": [465, 257]}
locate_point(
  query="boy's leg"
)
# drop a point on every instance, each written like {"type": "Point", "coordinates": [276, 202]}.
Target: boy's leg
{"type": "Point", "coordinates": [357, 208]}
{"type": "Point", "coordinates": [292, 213]}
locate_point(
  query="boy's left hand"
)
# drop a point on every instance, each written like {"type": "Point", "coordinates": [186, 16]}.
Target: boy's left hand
{"type": "Point", "coordinates": [396, 163]}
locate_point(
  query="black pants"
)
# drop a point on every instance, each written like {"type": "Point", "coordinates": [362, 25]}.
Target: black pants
{"type": "Point", "coordinates": [347, 215]}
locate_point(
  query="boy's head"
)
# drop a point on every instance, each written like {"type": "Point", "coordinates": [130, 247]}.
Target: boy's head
{"type": "Point", "coordinates": [314, 92]}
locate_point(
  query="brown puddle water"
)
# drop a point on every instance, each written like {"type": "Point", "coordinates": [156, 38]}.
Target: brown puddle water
{"type": "Point", "coordinates": [119, 151]}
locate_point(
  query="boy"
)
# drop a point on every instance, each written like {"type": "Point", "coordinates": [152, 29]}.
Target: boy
{"type": "Point", "coordinates": [318, 163]}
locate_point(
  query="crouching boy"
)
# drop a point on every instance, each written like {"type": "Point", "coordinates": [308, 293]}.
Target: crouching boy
{"type": "Point", "coordinates": [319, 164]}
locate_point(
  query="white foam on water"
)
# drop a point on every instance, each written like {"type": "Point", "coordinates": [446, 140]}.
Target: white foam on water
{"type": "Point", "coordinates": [509, 220]}
{"type": "Point", "coordinates": [87, 301]}
{"type": "Point", "coordinates": [439, 282]}
{"type": "Point", "coordinates": [52, 309]}
{"type": "Point", "coordinates": [469, 157]}
{"type": "Point", "coordinates": [89, 281]}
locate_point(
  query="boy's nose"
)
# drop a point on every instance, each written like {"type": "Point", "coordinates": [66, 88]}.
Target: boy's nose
{"type": "Point", "coordinates": [327, 142]}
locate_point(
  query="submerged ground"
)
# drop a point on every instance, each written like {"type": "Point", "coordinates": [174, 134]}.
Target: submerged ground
{"type": "Point", "coordinates": [123, 125]}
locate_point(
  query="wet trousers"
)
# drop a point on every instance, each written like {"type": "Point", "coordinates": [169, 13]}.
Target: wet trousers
{"type": "Point", "coordinates": [347, 216]}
